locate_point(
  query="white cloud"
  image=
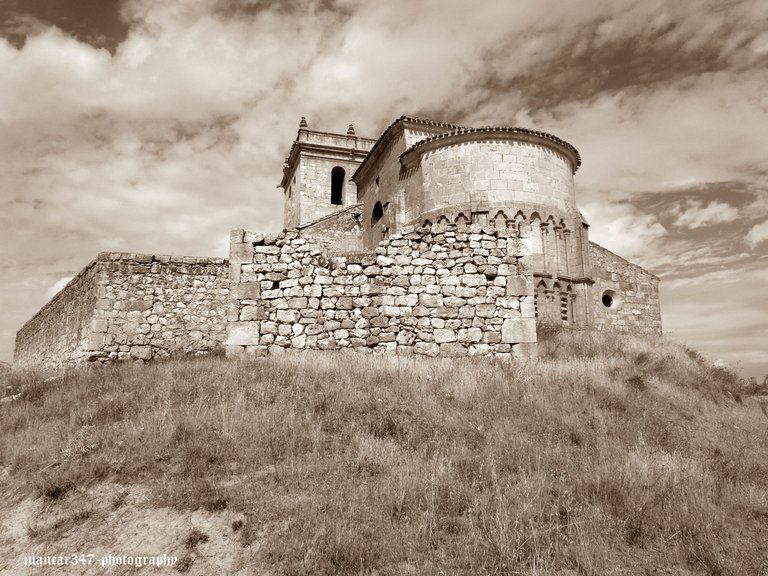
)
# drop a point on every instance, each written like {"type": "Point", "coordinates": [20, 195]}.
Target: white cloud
{"type": "Point", "coordinates": [623, 229]}
{"type": "Point", "coordinates": [57, 286]}
{"type": "Point", "coordinates": [722, 313]}
{"type": "Point", "coordinates": [695, 130]}
{"type": "Point", "coordinates": [693, 214]}
{"type": "Point", "coordinates": [757, 234]}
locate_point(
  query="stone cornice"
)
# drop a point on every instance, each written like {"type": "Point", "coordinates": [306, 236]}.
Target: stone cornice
{"type": "Point", "coordinates": [352, 208]}
{"type": "Point", "coordinates": [492, 133]}
{"type": "Point", "coordinates": [389, 132]}
{"type": "Point", "coordinates": [361, 149]}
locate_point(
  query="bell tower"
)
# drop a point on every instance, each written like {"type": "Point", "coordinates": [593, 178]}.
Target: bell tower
{"type": "Point", "coordinates": [317, 173]}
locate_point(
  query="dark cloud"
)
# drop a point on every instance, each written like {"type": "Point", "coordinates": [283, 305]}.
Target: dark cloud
{"type": "Point", "coordinates": [95, 22]}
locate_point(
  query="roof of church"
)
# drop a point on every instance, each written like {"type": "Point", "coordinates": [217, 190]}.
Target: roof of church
{"type": "Point", "coordinates": [456, 129]}
{"type": "Point", "coordinates": [501, 129]}
{"type": "Point", "coordinates": [389, 129]}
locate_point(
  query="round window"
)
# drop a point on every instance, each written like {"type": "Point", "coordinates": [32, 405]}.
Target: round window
{"type": "Point", "coordinates": [610, 299]}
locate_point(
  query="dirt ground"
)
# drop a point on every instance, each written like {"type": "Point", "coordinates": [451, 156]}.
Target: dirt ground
{"type": "Point", "coordinates": [119, 520]}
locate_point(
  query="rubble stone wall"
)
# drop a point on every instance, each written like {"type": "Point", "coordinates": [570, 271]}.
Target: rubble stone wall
{"type": "Point", "coordinates": [130, 306]}
{"type": "Point", "coordinates": [58, 335]}
{"type": "Point", "coordinates": [444, 290]}
{"type": "Point", "coordinates": [625, 297]}
{"type": "Point", "coordinates": [338, 232]}
{"type": "Point", "coordinates": [153, 306]}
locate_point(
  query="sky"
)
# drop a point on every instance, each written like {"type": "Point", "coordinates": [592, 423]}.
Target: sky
{"type": "Point", "coordinates": [158, 125]}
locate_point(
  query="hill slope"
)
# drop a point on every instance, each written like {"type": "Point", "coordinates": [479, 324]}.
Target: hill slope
{"type": "Point", "coordinates": [611, 455]}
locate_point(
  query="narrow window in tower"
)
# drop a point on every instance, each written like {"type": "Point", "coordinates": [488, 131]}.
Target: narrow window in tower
{"type": "Point", "coordinates": [565, 315]}
{"type": "Point", "coordinates": [540, 300]}
{"type": "Point", "coordinates": [337, 185]}
{"type": "Point", "coordinates": [377, 214]}
{"type": "Point", "coordinates": [566, 305]}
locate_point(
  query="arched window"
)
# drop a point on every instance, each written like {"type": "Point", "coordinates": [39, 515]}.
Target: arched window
{"type": "Point", "coordinates": [337, 185]}
{"type": "Point", "coordinates": [377, 214]}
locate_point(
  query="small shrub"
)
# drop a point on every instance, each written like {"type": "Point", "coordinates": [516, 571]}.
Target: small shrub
{"type": "Point", "coordinates": [60, 525]}
{"type": "Point", "coordinates": [119, 500]}
{"type": "Point", "coordinates": [54, 486]}
{"type": "Point", "coordinates": [185, 563]}
{"type": "Point", "coordinates": [637, 382]}
{"type": "Point", "coordinates": [194, 538]}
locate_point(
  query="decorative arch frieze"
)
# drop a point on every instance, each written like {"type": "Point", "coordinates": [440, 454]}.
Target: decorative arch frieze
{"type": "Point", "coordinates": [500, 220]}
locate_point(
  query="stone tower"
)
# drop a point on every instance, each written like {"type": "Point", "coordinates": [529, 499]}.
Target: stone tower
{"type": "Point", "coordinates": [317, 171]}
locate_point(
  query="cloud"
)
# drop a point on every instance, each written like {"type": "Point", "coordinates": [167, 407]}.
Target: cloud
{"type": "Point", "coordinates": [623, 229]}
{"type": "Point", "coordinates": [661, 137]}
{"type": "Point", "coordinates": [721, 313]}
{"type": "Point", "coordinates": [757, 234]}
{"type": "Point", "coordinates": [694, 214]}
{"type": "Point", "coordinates": [57, 286]}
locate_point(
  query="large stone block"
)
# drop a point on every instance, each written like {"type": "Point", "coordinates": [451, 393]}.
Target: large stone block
{"type": "Point", "coordinates": [444, 335]}
{"type": "Point", "coordinates": [243, 334]}
{"type": "Point", "coordinates": [525, 352]}
{"type": "Point", "coordinates": [137, 305]}
{"type": "Point", "coordinates": [141, 352]}
{"type": "Point", "coordinates": [246, 291]}
{"type": "Point", "coordinates": [240, 253]}
{"type": "Point", "coordinates": [453, 349]}
{"type": "Point", "coordinates": [518, 330]}
{"type": "Point", "coordinates": [96, 341]}
{"type": "Point", "coordinates": [253, 313]}
{"type": "Point", "coordinates": [519, 286]}
{"type": "Point", "coordinates": [427, 348]}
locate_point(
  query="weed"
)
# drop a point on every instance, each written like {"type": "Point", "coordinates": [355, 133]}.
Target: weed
{"type": "Point", "coordinates": [609, 451]}
{"type": "Point", "coordinates": [185, 562]}
{"type": "Point", "coordinates": [119, 499]}
{"type": "Point", "coordinates": [195, 537]}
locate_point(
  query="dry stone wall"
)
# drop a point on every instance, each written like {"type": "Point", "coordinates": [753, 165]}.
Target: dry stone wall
{"type": "Point", "coordinates": [625, 297]}
{"type": "Point", "coordinates": [338, 232]}
{"type": "Point", "coordinates": [58, 335]}
{"type": "Point", "coordinates": [447, 291]}
{"type": "Point", "coordinates": [130, 306]}
{"type": "Point", "coordinates": [154, 306]}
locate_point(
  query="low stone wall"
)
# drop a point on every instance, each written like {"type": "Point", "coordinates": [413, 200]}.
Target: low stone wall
{"type": "Point", "coordinates": [338, 232]}
{"type": "Point", "coordinates": [130, 306]}
{"type": "Point", "coordinates": [58, 335]}
{"type": "Point", "coordinates": [445, 291]}
{"type": "Point", "coordinates": [154, 306]}
{"type": "Point", "coordinates": [624, 296]}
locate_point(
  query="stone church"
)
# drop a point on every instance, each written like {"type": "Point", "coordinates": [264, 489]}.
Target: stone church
{"type": "Point", "coordinates": [433, 239]}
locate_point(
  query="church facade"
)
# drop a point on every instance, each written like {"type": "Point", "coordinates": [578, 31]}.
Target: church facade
{"type": "Point", "coordinates": [433, 239]}
{"type": "Point", "coordinates": [421, 172]}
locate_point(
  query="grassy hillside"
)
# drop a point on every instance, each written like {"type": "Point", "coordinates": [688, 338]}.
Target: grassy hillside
{"type": "Point", "coordinates": [611, 455]}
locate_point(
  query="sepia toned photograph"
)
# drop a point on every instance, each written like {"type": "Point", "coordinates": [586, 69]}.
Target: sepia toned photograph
{"type": "Point", "coordinates": [384, 287]}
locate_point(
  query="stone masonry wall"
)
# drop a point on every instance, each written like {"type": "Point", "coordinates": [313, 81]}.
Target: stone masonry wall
{"type": "Point", "coordinates": [153, 306]}
{"type": "Point", "coordinates": [337, 232]}
{"type": "Point", "coordinates": [633, 294]}
{"type": "Point", "coordinates": [58, 335]}
{"type": "Point", "coordinates": [130, 306]}
{"type": "Point", "coordinates": [445, 291]}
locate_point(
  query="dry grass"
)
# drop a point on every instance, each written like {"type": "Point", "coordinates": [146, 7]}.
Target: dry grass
{"type": "Point", "coordinates": [610, 455]}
